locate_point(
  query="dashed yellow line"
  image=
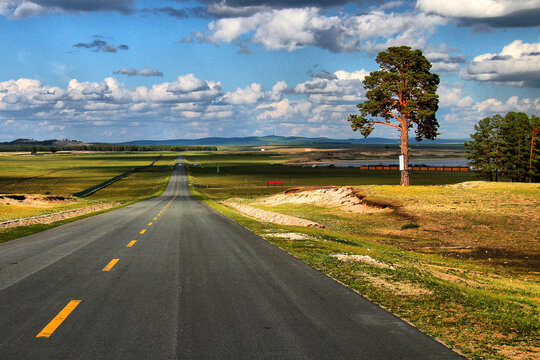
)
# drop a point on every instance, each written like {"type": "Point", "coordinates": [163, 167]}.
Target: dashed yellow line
{"type": "Point", "coordinates": [58, 319]}
{"type": "Point", "coordinates": [155, 218]}
{"type": "Point", "coordinates": [150, 224]}
{"type": "Point", "coordinates": [110, 265]}
{"type": "Point", "coordinates": [132, 242]}
{"type": "Point", "coordinates": [159, 214]}
{"type": "Point", "coordinates": [142, 231]}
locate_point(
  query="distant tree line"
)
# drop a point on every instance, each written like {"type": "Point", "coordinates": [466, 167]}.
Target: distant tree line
{"type": "Point", "coordinates": [19, 147]}
{"type": "Point", "coordinates": [506, 147]}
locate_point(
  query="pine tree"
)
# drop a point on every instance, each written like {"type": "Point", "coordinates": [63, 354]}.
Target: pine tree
{"type": "Point", "coordinates": [480, 150]}
{"type": "Point", "coordinates": [533, 169]}
{"type": "Point", "coordinates": [506, 147]}
{"type": "Point", "coordinates": [402, 94]}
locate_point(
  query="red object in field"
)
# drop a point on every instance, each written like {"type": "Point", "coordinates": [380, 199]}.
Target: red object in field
{"type": "Point", "coordinates": [277, 182]}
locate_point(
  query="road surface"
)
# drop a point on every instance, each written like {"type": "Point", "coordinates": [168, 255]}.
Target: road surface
{"type": "Point", "coordinates": [169, 278]}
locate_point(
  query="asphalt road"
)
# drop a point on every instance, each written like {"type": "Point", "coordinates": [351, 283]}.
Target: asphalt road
{"type": "Point", "coordinates": [194, 285]}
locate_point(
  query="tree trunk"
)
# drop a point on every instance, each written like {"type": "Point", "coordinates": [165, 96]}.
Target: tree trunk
{"type": "Point", "coordinates": [405, 153]}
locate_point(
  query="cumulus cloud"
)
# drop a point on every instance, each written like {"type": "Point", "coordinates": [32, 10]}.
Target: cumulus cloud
{"type": "Point", "coordinates": [105, 99]}
{"type": "Point", "coordinates": [234, 8]}
{"type": "Point", "coordinates": [494, 13]}
{"type": "Point", "coordinates": [454, 97]}
{"type": "Point", "coordinates": [100, 45]}
{"type": "Point", "coordinates": [442, 60]}
{"type": "Point", "coordinates": [254, 94]}
{"type": "Point", "coordinates": [517, 64]}
{"type": "Point", "coordinates": [318, 106]}
{"type": "Point", "coordinates": [513, 103]}
{"type": "Point", "coordinates": [340, 87]}
{"type": "Point", "coordinates": [250, 95]}
{"type": "Point", "coordinates": [283, 110]}
{"type": "Point", "coordinates": [19, 9]}
{"type": "Point", "coordinates": [295, 28]}
{"type": "Point", "coordinates": [142, 72]}
{"type": "Point", "coordinates": [183, 13]}
{"type": "Point", "coordinates": [190, 84]}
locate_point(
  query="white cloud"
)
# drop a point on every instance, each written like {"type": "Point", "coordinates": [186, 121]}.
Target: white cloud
{"type": "Point", "coordinates": [249, 95]}
{"type": "Point", "coordinates": [486, 14]}
{"type": "Point", "coordinates": [476, 8]}
{"type": "Point", "coordinates": [338, 87]}
{"type": "Point", "coordinates": [277, 91]}
{"type": "Point", "coordinates": [283, 109]}
{"type": "Point", "coordinates": [517, 64]}
{"type": "Point", "coordinates": [107, 98]}
{"type": "Point", "coordinates": [453, 97]}
{"type": "Point", "coordinates": [295, 28]}
{"type": "Point", "coordinates": [19, 9]}
{"type": "Point", "coordinates": [492, 106]}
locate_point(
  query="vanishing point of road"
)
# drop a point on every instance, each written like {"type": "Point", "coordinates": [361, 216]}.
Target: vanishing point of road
{"type": "Point", "coordinates": [170, 278]}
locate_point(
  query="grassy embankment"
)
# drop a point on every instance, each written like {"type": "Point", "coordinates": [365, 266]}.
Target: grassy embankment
{"type": "Point", "coordinates": [65, 174]}
{"type": "Point", "coordinates": [465, 258]}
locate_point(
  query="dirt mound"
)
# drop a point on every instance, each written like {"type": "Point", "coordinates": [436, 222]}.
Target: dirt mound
{"type": "Point", "coordinates": [467, 184]}
{"type": "Point", "coordinates": [343, 197]}
{"type": "Point", "coordinates": [49, 218]}
{"type": "Point", "coordinates": [34, 199]}
{"type": "Point", "coordinates": [361, 258]}
{"type": "Point", "coordinates": [289, 236]}
{"type": "Point", "coordinates": [270, 216]}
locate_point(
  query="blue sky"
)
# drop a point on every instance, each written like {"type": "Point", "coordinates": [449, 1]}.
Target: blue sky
{"type": "Point", "coordinates": [118, 70]}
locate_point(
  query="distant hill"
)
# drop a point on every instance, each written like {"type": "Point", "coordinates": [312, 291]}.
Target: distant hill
{"type": "Point", "coordinates": [283, 140]}
{"type": "Point", "coordinates": [52, 142]}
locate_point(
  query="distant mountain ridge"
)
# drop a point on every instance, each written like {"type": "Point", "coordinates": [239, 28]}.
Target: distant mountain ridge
{"type": "Point", "coordinates": [248, 140]}
{"type": "Point", "coordinates": [51, 142]}
{"type": "Point", "coordinates": [283, 140]}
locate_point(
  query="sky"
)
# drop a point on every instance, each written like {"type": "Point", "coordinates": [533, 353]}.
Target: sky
{"type": "Point", "coordinates": [120, 70]}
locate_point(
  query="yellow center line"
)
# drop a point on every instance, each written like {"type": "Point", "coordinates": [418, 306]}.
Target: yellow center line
{"type": "Point", "coordinates": [155, 218]}
{"type": "Point", "coordinates": [110, 265]}
{"type": "Point", "coordinates": [150, 224]}
{"type": "Point", "coordinates": [58, 319]}
{"type": "Point", "coordinates": [159, 214]}
{"type": "Point", "coordinates": [142, 231]}
{"type": "Point", "coordinates": [131, 243]}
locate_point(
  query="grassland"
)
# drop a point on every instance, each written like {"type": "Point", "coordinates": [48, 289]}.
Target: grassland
{"type": "Point", "coordinates": [461, 258]}
{"type": "Point", "coordinates": [65, 174]}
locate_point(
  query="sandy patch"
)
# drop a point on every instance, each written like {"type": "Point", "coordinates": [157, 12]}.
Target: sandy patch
{"type": "Point", "coordinates": [401, 288]}
{"type": "Point", "coordinates": [361, 258]}
{"type": "Point", "coordinates": [343, 197]}
{"type": "Point", "coordinates": [527, 352]}
{"type": "Point", "coordinates": [467, 184]}
{"type": "Point", "coordinates": [290, 236]}
{"type": "Point", "coordinates": [34, 199]}
{"type": "Point", "coordinates": [270, 216]}
{"type": "Point", "coordinates": [47, 219]}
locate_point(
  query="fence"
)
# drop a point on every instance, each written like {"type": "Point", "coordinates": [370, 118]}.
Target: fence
{"type": "Point", "coordinates": [417, 168]}
{"type": "Point", "coordinates": [108, 182]}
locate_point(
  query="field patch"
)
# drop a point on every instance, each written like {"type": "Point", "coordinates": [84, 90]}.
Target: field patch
{"type": "Point", "coordinates": [34, 186]}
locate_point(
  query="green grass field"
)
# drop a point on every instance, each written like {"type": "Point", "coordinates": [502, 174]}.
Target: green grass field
{"type": "Point", "coordinates": [464, 256]}
{"type": "Point", "coordinates": [65, 174]}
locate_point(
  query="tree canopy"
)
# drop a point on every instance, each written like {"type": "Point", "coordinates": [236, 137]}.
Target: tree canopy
{"type": "Point", "coordinates": [403, 95]}
{"type": "Point", "coordinates": [506, 147]}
